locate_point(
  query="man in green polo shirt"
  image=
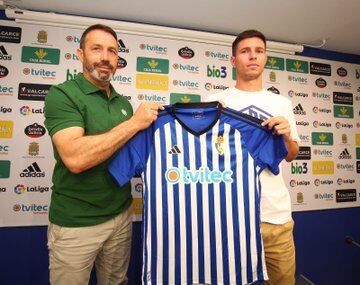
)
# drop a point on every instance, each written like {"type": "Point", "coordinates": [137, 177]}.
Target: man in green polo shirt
{"type": "Point", "coordinates": [90, 215]}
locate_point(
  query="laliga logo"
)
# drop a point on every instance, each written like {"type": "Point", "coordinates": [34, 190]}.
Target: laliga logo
{"type": "Point", "coordinates": [25, 110]}
{"type": "Point", "coordinates": [139, 187]}
{"type": "Point", "coordinates": [208, 86]}
{"type": "Point", "coordinates": [292, 183]}
{"type": "Point", "coordinates": [203, 175]}
{"type": "Point", "coordinates": [19, 189]}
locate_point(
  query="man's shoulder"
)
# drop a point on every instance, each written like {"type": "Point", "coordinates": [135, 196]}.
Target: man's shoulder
{"type": "Point", "coordinates": [219, 95]}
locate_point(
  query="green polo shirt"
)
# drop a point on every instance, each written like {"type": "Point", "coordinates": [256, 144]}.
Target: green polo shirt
{"type": "Point", "coordinates": [91, 197]}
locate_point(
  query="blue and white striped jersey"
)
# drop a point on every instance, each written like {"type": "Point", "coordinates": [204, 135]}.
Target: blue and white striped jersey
{"type": "Point", "coordinates": [200, 165]}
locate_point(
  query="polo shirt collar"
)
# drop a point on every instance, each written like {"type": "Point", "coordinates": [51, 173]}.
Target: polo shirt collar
{"type": "Point", "coordinates": [88, 88]}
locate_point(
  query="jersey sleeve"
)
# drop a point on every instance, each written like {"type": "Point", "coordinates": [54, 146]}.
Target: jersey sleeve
{"type": "Point", "coordinates": [131, 159]}
{"type": "Point", "coordinates": [267, 150]}
{"type": "Point", "coordinates": [60, 111]}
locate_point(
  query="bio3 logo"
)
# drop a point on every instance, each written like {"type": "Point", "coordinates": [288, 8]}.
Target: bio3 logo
{"type": "Point", "coordinates": [299, 168]}
{"type": "Point", "coordinates": [203, 175]}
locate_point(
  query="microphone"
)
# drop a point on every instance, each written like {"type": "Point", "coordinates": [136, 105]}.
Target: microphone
{"type": "Point", "coordinates": [349, 240]}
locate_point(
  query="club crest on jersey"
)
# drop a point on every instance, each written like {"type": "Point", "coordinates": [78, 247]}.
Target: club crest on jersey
{"type": "Point", "coordinates": [202, 175]}
{"type": "Point", "coordinates": [219, 145]}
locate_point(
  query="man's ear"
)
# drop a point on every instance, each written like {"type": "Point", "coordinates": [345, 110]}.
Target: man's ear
{"type": "Point", "coordinates": [80, 54]}
{"type": "Point", "coordinates": [232, 60]}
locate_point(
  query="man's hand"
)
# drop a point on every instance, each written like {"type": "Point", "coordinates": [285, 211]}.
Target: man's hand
{"type": "Point", "coordinates": [145, 114]}
{"type": "Point", "coordinates": [279, 126]}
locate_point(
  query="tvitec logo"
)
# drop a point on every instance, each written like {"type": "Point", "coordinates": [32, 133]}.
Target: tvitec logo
{"type": "Point", "coordinates": [34, 208]}
{"type": "Point", "coordinates": [202, 175]}
{"type": "Point", "coordinates": [217, 55]}
{"type": "Point", "coordinates": [154, 48]}
{"type": "Point", "coordinates": [43, 73]}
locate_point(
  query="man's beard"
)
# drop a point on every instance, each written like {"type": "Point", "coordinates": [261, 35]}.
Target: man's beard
{"type": "Point", "coordinates": [102, 77]}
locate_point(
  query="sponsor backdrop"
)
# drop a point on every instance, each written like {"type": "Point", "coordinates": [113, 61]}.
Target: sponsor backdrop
{"type": "Point", "coordinates": [325, 96]}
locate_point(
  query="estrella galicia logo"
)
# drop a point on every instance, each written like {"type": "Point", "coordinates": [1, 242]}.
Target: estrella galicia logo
{"type": "Point", "coordinates": [122, 63]}
{"type": "Point", "coordinates": [320, 68]}
{"type": "Point", "coordinates": [34, 92]}
{"type": "Point", "coordinates": [186, 53]}
{"type": "Point", "coordinates": [304, 153]}
{"type": "Point", "coordinates": [342, 72]}
{"type": "Point", "coordinates": [10, 34]}
{"type": "Point", "coordinates": [33, 170]}
{"type": "Point", "coordinates": [343, 98]}
{"type": "Point", "coordinates": [320, 82]}
{"type": "Point", "coordinates": [273, 90]}
{"type": "Point", "coordinates": [3, 71]}
{"type": "Point", "coordinates": [34, 131]}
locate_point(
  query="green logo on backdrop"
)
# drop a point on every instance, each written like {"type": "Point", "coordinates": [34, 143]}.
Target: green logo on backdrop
{"type": "Point", "coordinates": [40, 55]}
{"type": "Point", "coordinates": [322, 138]}
{"type": "Point", "coordinates": [4, 168]}
{"type": "Point", "coordinates": [184, 98]}
{"type": "Point", "coordinates": [233, 73]}
{"type": "Point", "coordinates": [152, 65]}
{"type": "Point", "coordinates": [343, 111]}
{"type": "Point", "coordinates": [276, 63]}
{"type": "Point", "coordinates": [358, 153]}
{"type": "Point", "coordinates": [295, 65]}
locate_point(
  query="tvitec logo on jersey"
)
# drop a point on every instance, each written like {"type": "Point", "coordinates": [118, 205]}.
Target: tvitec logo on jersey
{"type": "Point", "coordinates": [202, 175]}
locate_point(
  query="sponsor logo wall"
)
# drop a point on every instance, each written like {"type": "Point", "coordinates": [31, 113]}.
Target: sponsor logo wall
{"type": "Point", "coordinates": [325, 96]}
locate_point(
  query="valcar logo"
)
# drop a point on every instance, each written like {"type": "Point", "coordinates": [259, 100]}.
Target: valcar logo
{"type": "Point", "coordinates": [344, 84]}
{"type": "Point", "coordinates": [3, 71]}
{"type": "Point", "coordinates": [44, 74]}
{"type": "Point", "coordinates": [320, 68]}
{"type": "Point", "coordinates": [323, 152]}
{"type": "Point", "coordinates": [202, 175]}
{"type": "Point", "coordinates": [4, 149]}
{"type": "Point", "coordinates": [186, 53]}
{"type": "Point", "coordinates": [323, 96]}
{"type": "Point", "coordinates": [122, 47]}
{"type": "Point", "coordinates": [152, 82]}
{"type": "Point", "coordinates": [343, 125]}
{"type": "Point", "coordinates": [327, 182]}
{"type": "Point", "coordinates": [33, 170]}
{"type": "Point", "coordinates": [345, 166]}
{"type": "Point", "coordinates": [154, 48]}
{"type": "Point", "coordinates": [299, 168]}
{"type": "Point", "coordinates": [273, 90]}
{"type": "Point", "coordinates": [184, 98]}
{"type": "Point", "coordinates": [151, 98]}
{"type": "Point", "coordinates": [19, 189]}
{"type": "Point", "coordinates": [343, 98]}
{"type": "Point", "coordinates": [297, 66]}
{"type": "Point", "coordinates": [322, 167]}
{"type": "Point", "coordinates": [217, 55]}
{"type": "Point", "coordinates": [320, 82]}
{"type": "Point", "coordinates": [34, 208]}
{"type": "Point", "coordinates": [217, 72]}
{"type": "Point", "coordinates": [342, 72]}
{"type": "Point", "coordinates": [73, 39]}
{"type": "Point", "coordinates": [321, 110]}
{"type": "Point", "coordinates": [186, 67]}
{"type": "Point", "coordinates": [343, 111]}
{"type": "Point", "coordinates": [186, 84]}
{"type": "Point", "coordinates": [4, 55]}
{"type": "Point", "coordinates": [6, 91]}
{"type": "Point", "coordinates": [317, 124]}
{"type": "Point", "coordinates": [298, 79]}
{"type": "Point", "coordinates": [40, 55]}
{"type": "Point", "coordinates": [6, 129]}
{"type": "Point", "coordinates": [10, 34]}
{"type": "Point", "coordinates": [34, 131]}
{"type": "Point", "coordinates": [276, 63]}
{"type": "Point", "coordinates": [152, 65]}
{"type": "Point", "coordinates": [209, 87]}
{"type": "Point", "coordinates": [292, 93]}
{"type": "Point", "coordinates": [346, 195]}
{"type": "Point", "coordinates": [33, 92]}
{"type": "Point", "coordinates": [71, 56]}
{"type": "Point", "coordinates": [294, 183]}
{"type": "Point", "coordinates": [304, 153]}
{"type": "Point", "coordinates": [324, 196]}
{"type": "Point", "coordinates": [322, 138]}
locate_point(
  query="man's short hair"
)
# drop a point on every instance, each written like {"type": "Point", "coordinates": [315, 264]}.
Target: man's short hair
{"type": "Point", "coordinates": [245, 35]}
{"type": "Point", "coordinates": [101, 27]}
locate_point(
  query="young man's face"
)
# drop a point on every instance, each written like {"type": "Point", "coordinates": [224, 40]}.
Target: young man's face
{"type": "Point", "coordinates": [250, 58]}
{"type": "Point", "coordinates": [99, 56]}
